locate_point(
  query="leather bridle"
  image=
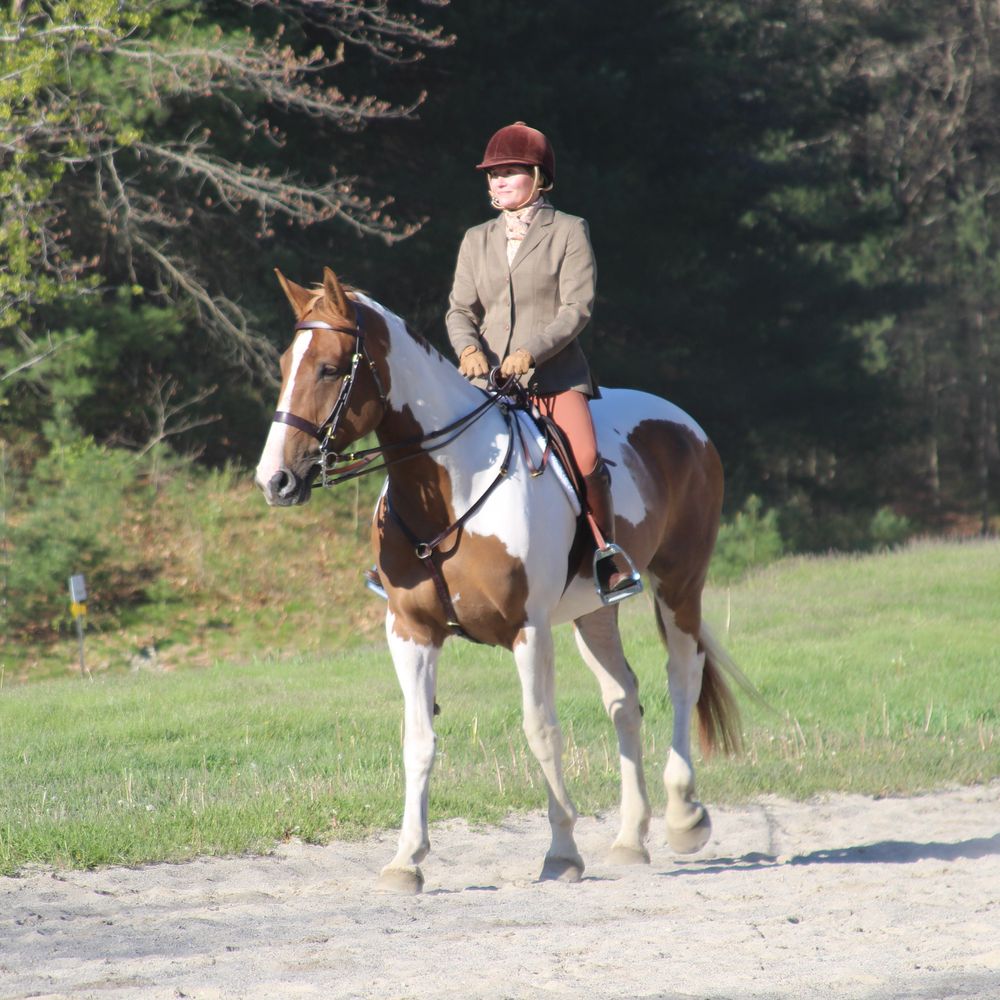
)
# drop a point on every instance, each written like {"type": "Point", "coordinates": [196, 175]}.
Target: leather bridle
{"type": "Point", "coordinates": [325, 431]}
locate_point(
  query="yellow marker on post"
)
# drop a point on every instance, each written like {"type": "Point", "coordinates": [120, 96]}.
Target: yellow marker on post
{"type": "Point", "coordinates": [78, 608]}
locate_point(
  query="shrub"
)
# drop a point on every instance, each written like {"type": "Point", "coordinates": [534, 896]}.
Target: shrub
{"type": "Point", "coordinates": [69, 517]}
{"type": "Point", "coordinates": [748, 541]}
{"type": "Point", "coordinates": [889, 529]}
{"type": "Point", "coordinates": [808, 528]}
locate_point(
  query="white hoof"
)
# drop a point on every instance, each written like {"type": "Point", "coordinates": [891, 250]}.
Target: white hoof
{"type": "Point", "coordinates": [409, 881]}
{"type": "Point", "coordinates": [691, 838]}
{"type": "Point", "coordinates": [620, 854]}
{"type": "Point", "coordinates": [562, 870]}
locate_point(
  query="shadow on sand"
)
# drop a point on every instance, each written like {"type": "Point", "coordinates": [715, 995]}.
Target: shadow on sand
{"type": "Point", "coordinates": [884, 852]}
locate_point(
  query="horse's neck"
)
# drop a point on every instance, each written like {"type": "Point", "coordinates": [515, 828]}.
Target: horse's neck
{"type": "Point", "coordinates": [427, 394]}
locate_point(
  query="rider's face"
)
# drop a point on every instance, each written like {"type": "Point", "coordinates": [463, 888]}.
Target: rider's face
{"type": "Point", "coordinates": [511, 184]}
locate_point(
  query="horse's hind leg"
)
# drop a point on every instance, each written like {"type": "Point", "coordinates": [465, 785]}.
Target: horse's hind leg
{"type": "Point", "coordinates": [535, 658]}
{"type": "Point", "coordinates": [599, 642]}
{"type": "Point", "coordinates": [688, 823]}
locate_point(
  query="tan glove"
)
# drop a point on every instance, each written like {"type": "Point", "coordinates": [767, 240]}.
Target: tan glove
{"type": "Point", "coordinates": [472, 363]}
{"type": "Point", "coordinates": [518, 363]}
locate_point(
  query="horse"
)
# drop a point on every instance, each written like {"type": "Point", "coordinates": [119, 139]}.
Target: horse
{"type": "Point", "coordinates": [469, 539]}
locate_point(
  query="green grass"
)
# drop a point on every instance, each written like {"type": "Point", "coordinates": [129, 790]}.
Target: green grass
{"type": "Point", "coordinates": [883, 671]}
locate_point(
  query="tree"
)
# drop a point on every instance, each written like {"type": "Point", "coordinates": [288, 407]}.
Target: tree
{"type": "Point", "coordinates": [151, 145]}
{"type": "Point", "coordinates": [934, 143]}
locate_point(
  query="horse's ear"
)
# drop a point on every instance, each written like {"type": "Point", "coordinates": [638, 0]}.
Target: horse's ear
{"type": "Point", "coordinates": [299, 297]}
{"type": "Point", "coordinates": [335, 294]}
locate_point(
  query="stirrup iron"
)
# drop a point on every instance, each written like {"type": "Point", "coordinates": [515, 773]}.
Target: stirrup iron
{"type": "Point", "coordinates": [634, 579]}
{"type": "Point", "coordinates": [374, 584]}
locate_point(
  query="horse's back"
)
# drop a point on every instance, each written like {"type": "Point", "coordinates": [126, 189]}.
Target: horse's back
{"type": "Point", "coordinates": [620, 411]}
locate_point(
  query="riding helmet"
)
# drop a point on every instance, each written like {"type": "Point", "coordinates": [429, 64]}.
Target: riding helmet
{"type": "Point", "coordinates": [520, 144]}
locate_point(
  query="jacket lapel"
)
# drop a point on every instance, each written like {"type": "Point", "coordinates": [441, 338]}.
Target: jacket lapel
{"type": "Point", "coordinates": [537, 232]}
{"type": "Point", "coordinates": [497, 246]}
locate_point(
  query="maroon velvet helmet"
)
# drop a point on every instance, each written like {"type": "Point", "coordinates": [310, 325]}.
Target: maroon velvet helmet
{"type": "Point", "coordinates": [520, 144]}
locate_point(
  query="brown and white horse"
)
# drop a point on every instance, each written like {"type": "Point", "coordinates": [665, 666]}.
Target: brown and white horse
{"type": "Point", "coordinates": [354, 367]}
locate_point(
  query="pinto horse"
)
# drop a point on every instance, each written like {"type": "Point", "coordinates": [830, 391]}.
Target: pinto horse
{"type": "Point", "coordinates": [467, 539]}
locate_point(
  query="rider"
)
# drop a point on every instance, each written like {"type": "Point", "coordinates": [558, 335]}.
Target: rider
{"type": "Point", "coordinates": [523, 292]}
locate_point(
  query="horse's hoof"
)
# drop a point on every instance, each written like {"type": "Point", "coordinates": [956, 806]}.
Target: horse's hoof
{"type": "Point", "coordinates": [408, 881]}
{"type": "Point", "coordinates": [693, 838]}
{"type": "Point", "coordinates": [562, 870]}
{"type": "Point", "coordinates": [622, 855]}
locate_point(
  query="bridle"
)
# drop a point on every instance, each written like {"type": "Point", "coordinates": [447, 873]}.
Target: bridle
{"type": "Point", "coordinates": [324, 432]}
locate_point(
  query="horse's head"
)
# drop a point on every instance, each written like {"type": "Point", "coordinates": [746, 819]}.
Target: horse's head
{"type": "Point", "coordinates": [331, 389]}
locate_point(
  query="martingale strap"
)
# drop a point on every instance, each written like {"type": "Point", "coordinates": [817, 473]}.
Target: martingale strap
{"type": "Point", "coordinates": [425, 550]}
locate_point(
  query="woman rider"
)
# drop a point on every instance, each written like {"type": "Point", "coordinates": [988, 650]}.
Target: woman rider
{"type": "Point", "coordinates": [523, 292]}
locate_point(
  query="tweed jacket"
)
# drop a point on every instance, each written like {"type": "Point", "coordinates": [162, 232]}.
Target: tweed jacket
{"type": "Point", "coordinates": [540, 302]}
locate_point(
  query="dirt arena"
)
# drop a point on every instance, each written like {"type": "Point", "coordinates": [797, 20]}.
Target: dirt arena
{"type": "Point", "coordinates": [842, 897]}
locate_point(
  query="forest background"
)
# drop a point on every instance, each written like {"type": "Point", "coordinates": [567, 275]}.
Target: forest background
{"type": "Point", "coordinates": [793, 206]}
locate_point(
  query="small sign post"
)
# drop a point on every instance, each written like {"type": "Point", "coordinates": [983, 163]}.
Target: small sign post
{"type": "Point", "coordinates": [78, 608]}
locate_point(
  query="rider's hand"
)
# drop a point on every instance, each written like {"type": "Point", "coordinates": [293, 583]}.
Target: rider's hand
{"type": "Point", "coordinates": [518, 363]}
{"type": "Point", "coordinates": [473, 363]}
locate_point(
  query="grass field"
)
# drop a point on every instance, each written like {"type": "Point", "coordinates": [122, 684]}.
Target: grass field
{"type": "Point", "coordinates": [883, 671]}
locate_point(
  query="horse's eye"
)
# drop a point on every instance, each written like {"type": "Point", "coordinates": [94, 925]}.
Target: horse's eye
{"type": "Point", "coordinates": [330, 373]}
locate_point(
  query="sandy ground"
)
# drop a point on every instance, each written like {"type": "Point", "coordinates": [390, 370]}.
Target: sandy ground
{"type": "Point", "coordinates": [835, 898]}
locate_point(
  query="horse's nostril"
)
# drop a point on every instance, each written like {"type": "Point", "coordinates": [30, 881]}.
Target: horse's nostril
{"type": "Point", "coordinates": [283, 483]}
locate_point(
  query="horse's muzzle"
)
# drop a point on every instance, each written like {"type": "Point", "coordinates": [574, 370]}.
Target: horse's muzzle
{"type": "Point", "coordinates": [285, 489]}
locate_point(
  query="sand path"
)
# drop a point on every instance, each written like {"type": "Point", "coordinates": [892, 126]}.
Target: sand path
{"type": "Point", "coordinates": [842, 897]}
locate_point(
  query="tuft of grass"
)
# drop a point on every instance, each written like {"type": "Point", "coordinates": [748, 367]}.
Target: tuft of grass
{"type": "Point", "coordinates": [881, 670]}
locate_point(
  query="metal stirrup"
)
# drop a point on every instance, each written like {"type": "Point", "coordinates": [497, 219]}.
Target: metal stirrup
{"type": "Point", "coordinates": [634, 579]}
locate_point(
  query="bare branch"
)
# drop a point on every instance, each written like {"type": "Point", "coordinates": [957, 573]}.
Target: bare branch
{"type": "Point", "coordinates": [71, 154]}
{"type": "Point", "coordinates": [37, 360]}
{"type": "Point", "coordinates": [165, 422]}
{"type": "Point", "coordinates": [235, 184]}
{"type": "Point", "coordinates": [220, 315]}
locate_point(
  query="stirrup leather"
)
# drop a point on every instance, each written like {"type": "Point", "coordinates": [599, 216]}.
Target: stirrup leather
{"type": "Point", "coordinates": [634, 585]}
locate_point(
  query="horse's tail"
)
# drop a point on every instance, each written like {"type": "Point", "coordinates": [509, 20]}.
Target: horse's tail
{"type": "Point", "coordinates": [718, 712]}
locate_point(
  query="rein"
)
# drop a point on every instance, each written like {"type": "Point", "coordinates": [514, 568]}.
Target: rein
{"type": "Point", "coordinates": [335, 468]}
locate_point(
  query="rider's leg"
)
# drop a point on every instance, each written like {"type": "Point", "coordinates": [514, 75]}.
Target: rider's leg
{"type": "Point", "coordinates": [570, 411]}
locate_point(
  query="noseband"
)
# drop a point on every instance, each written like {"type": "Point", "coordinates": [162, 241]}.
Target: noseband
{"type": "Point", "coordinates": [324, 432]}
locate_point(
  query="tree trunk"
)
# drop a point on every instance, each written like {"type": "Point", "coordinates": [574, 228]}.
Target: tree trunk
{"type": "Point", "coordinates": [983, 424]}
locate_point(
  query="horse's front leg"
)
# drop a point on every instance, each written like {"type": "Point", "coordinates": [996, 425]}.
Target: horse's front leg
{"type": "Point", "coordinates": [416, 668]}
{"type": "Point", "coordinates": [535, 658]}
